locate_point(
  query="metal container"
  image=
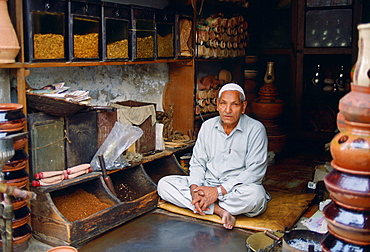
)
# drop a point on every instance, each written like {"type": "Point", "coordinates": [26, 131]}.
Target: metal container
{"type": "Point", "coordinates": [143, 33]}
{"type": "Point", "coordinates": [115, 31]}
{"type": "Point", "coordinates": [165, 27]}
{"type": "Point", "coordinates": [84, 26]}
{"type": "Point", "coordinates": [45, 30]}
{"type": "Point", "coordinates": [300, 240]}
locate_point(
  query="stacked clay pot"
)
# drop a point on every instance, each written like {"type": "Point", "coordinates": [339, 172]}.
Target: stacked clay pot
{"type": "Point", "coordinates": [267, 108]}
{"type": "Point", "coordinates": [12, 122]}
{"type": "Point", "coordinates": [348, 215]}
{"type": "Point", "coordinates": [250, 83]}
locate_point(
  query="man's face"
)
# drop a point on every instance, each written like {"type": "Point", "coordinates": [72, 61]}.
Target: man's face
{"type": "Point", "coordinates": [230, 108]}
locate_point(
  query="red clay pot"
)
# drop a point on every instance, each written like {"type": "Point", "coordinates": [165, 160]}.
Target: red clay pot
{"type": "Point", "coordinates": [349, 190]}
{"type": "Point", "coordinates": [330, 243]}
{"type": "Point", "coordinates": [350, 148]}
{"type": "Point", "coordinates": [11, 117]}
{"type": "Point", "coordinates": [349, 225]}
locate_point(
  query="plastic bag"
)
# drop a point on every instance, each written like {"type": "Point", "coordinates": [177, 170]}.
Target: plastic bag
{"type": "Point", "coordinates": [119, 139]}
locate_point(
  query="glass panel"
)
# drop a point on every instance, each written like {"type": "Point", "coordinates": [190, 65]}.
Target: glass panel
{"type": "Point", "coordinates": [329, 28]}
{"type": "Point", "coordinates": [275, 29]}
{"type": "Point", "coordinates": [321, 3]}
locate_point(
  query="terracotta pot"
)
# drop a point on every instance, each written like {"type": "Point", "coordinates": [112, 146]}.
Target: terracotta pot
{"type": "Point", "coordinates": [349, 225]}
{"type": "Point", "coordinates": [249, 85]}
{"type": "Point", "coordinates": [21, 237]}
{"type": "Point", "coordinates": [350, 148]}
{"type": "Point", "coordinates": [251, 59]}
{"type": "Point", "coordinates": [17, 178]}
{"type": "Point", "coordinates": [355, 106]}
{"type": "Point", "coordinates": [250, 74]}
{"type": "Point", "coordinates": [330, 243]}
{"type": "Point", "coordinates": [276, 138]}
{"type": "Point", "coordinates": [267, 109]}
{"type": "Point", "coordinates": [9, 46]}
{"type": "Point", "coordinates": [361, 75]}
{"type": "Point", "coordinates": [349, 190]}
{"type": "Point", "coordinates": [11, 116]}
{"type": "Point", "coordinates": [17, 162]}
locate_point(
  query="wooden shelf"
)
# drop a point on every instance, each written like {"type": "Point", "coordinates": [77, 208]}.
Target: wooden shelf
{"type": "Point", "coordinates": [18, 65]}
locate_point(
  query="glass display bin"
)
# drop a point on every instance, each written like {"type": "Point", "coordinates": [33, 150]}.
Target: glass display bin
{"type": "Point", "coordinates": [84, 30]}
{"type": "Point", "coordinates": [165, 27]}
{"type": "Point", "coordinates": [143, 33]}
{"type": "Point", "coordinates": [45, 33]}
{"type": "Point", "coordinates": [115, 31]}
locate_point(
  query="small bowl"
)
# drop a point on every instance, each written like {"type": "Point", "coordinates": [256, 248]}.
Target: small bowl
{"type": "Point", "coordinates": [251, 59]}
{"type": "Point", "coordinates": [62, 249]}
{"type": "Point", "coordinates": [11, 117]}
{"type": "Point", "coordinates": [250, 74]}
{"type": "Point", "coordinates": [349, 225]}
{"type": "Point", "coordinates": [349, 190]}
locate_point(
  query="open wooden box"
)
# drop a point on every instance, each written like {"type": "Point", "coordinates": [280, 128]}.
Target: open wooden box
{"type": "Point", "coordinates": [49, 221]}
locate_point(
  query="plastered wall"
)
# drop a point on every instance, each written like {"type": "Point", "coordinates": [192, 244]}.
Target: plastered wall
{"type": "Point", "coordinates": [108, 84]}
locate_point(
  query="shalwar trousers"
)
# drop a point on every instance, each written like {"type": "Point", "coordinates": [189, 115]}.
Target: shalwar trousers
{"type": "Point", "coordinates": [250, 200]}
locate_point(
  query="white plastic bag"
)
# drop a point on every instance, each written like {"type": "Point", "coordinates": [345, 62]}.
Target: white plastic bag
{"type": "Point", "coordinates": [121, 137]}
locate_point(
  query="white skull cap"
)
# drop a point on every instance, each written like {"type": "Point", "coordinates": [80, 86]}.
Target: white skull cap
{"type": "Point", "coordinates": [231, 87]}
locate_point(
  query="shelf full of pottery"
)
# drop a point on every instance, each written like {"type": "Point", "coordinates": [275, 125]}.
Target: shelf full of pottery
{"type": "Point", "coordinates": [219, 36]}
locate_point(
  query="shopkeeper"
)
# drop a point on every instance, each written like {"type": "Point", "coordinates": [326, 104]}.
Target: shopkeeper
{"type": "Point", "coordinates": [228, 164]}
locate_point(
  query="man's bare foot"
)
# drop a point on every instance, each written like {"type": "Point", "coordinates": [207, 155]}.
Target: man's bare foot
{"type": "Point", "coordinates": [227, 219]}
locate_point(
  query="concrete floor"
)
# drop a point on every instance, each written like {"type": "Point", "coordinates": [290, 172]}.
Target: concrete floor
{"type": "Point", "coordinates": [162, 231]}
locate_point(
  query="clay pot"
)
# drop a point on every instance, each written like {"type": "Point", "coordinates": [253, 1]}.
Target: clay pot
{"type": "Point", "coordinates": [11, 116]}
{"type": "Point", "coordinates": [349, 225]}
{"type": "Point", "coordinates": [17, 162]}
{"type": "Point", "coordinates": [276, 138]}
{"type": "Point", "coordinates": [267, 109]}
{"type": "Point", "coordinates": [17, 178]}
{"type": "Point", "coordinates": [251, 59]}
{"type": "Point", "coordinates": [330, 243]}
{"type": "Point", "coordinates": [341, 121]}
{"type": "Point", "coordinates": [63, 249]}
{"type": "Point", "coordinates": [9, 46]}
{"type": "Point", "coordinates": [350, 148]}
{"type": "Point", "coordinates": [250, 74]}
{"type": "Point", "coordinates": [361, 75]}
{"type": "Point", "coordinates": [21, 216]}
{"type": "Point", "coordinates": [355, 106]}
{"type": "Point", "coordinates": [249, 85]}
{"type": "Point", "coordinates": [21, 236]}
{"type": "Point", "coordinates": [349, 190]}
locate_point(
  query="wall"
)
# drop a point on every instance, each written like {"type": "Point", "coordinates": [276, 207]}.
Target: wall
{"type": "Point", "coordinates": [107, 84]}
{"type": "Point", "coordinates": [4, 86]}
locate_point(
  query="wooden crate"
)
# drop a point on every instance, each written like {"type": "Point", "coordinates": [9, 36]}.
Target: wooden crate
{"type": "Point", "coordinates": [146, 142]}
{"type": "Point", "coordinates": [52, 227]}
{"type": "Point", "coordinates": [162, 167]}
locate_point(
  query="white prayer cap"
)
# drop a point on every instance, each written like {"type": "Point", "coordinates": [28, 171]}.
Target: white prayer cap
{"type": "Point", "coordinates": [231, 87]}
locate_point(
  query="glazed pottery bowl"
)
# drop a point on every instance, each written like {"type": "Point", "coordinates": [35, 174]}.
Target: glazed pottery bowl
{"type": "Point", "coordinates": [17, 162]}
{"type": "Point", "coordinates": [349, 190]}
{"type": "Point", "coordinates": [250, 59]}
{"type": "Point", "coordinates": [349, 225]}
{"type": "Point", "coordinates": [11, 117]}
{"type": "Point", "coordinates": [250, 74]}
{"type": "Point", "coordinates": [332, 243]}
